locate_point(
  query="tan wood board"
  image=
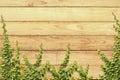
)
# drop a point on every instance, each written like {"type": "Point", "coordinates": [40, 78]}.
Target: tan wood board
{"type": "Point", "coordinates": [103, 3]}
{"type": "Point", "coordinates": [59, 14]}
{"type": "Point", "coordinates": [59, 28]}
{"type": "Point", "coordinates": [60, 42]}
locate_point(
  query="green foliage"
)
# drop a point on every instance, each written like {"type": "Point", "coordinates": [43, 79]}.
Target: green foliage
{"type": "Point", "coordinates": [62, 69]}
{"type": "Point", "coordinates": [31, 72]}
{"type": "Point", "coordinates": [6, 54]}
{"type": "Point", "coordinates": [65, 72]}
{"type": "Point", "coordinates": [111, 69]}
{"type": "Point", "coordinates": [83, 73]}
{"type": "Point", "coordinates": [11, 69]}
{"type": "Point", "coordinates": [16, 67]}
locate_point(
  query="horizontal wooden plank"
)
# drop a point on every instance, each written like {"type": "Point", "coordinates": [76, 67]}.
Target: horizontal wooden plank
{"type": "Point", "coordinates": [59, 3]}
{"type": "Point", "coordinates": [32, 55]}
{"type": "Point", "coordinates": [59, 28]}
{"type": "Point", "coordinates": [60, 42]}
{"type": "Point", "coordinates": [83, 58]}
{"type": "Point", "coordinates": [56, 57]}
{"type": "Point", "coordinates": [59, 14]}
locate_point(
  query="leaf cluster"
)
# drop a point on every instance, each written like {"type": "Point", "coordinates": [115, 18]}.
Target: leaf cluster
{"type": "Point", "coordinates": [111, 69]}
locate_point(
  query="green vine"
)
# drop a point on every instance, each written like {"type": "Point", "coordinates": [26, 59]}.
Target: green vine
{"type": "Point", "coordinates": [31, 72]}
{"type": "Point", "coordinates": [16, 67]}
{"type": "Point", "coordinates": [6, 54]}
{"type": "Point", "coordinates": [111, 69]}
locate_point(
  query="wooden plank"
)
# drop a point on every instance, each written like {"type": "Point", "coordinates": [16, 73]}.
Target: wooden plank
{"type": "Point", "coordinates": [32, 55]}
{"type": "Point", "coordinates": [60, 42]}
{"type": "Point", "coordinates": [56, 57]}
{"type": "Point", "coordinates": [59, 28]}
{"type": "Point", "coordinates": [60, 3]}
{"type": "Point", "coordinates": [83, 58]}
{"type": "Point", "coordinates": [59, 14]}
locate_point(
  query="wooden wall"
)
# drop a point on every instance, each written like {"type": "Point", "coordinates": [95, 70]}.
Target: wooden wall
{"type": "Point", "coordinates": [86, 24]}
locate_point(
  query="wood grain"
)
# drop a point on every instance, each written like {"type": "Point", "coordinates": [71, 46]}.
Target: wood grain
{"type": "Point", "coordinates": [92, 57]}
{"type": "Point", "coordinates": [59, 14]}
{"type": "Point", "coordinates": [60, 42]}
{"type": "Point", "coordinates": [107, 3]}
{"type": "Point", "coordinates": [56, 57]}
{"type": "Point", "coordinates": [59, 28]}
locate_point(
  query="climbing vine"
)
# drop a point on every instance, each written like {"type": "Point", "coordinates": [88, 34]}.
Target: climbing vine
{"type": "Point", "coordinates": [111, 69]}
